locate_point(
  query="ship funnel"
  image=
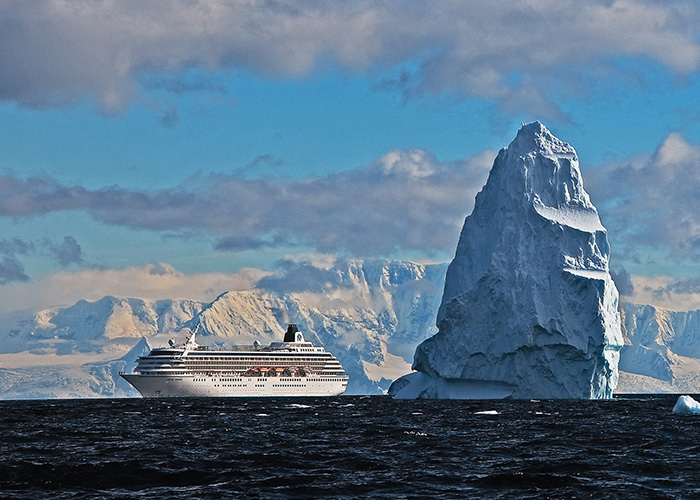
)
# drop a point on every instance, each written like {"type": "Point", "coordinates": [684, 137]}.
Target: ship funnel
{"type": "Point", "coordinates": [290, 334]}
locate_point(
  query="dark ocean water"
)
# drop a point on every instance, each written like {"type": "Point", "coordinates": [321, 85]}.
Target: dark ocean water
{"type": "Point", "coordinates": [348, 447]}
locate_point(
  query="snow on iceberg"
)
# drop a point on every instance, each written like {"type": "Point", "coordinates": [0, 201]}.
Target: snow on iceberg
{"type": "Point", "coordinates": [686, 405]}
{"type": "Point", "coordinates": [529, 309]}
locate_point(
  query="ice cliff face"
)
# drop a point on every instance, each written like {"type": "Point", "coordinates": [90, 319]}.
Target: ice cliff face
{"type": "Point", "coordinates": [529, 308]}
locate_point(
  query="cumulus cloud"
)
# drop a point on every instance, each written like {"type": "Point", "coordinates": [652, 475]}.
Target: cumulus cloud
{"type": "Point", "coordinates": [650, 206]}
{"type": "Point", "coordinates": [56, 52]}
{"type": "Point", "coordinates": [406, 200]}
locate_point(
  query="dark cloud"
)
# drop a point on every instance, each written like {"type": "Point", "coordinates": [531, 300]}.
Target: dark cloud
{"type": "Point", "coordinates": [265, 161]}
{"type": "Point", "coordinates": [651, 206]}
{"type": "Point", "coordinates": [404, 200]}
{"type": "Point", "coordinates": [623, 281]}
{"type": "Point", "coordinates": [11, 270]}
{"type": "Point", "coordinates": [244, 242]}
{"type": "Point", "coordinates": [15, 246]}
{"type": "Point", "coordinates": [68, 252]}
{"type": "Point", "coordinates": [515, 52]}
{"type": "Point", "coordinates": [12, 250]}
{"type": "Point", "coordinates": [687, 286]}
{"type": "Point", "coordinates": [162, 269]}
{"type": "Point", "coordinates": [38, 195]}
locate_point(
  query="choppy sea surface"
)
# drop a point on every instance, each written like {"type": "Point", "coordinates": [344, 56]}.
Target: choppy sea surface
{"type": "Point", "coordinates": [348, 447]}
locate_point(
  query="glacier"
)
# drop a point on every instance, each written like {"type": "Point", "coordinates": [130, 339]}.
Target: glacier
{"type": "Point", "coordinates": [529, 309]}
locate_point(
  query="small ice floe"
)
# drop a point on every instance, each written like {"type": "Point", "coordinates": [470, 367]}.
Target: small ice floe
{"type": "Point", "coordinates": [686, 405]}
{"type": "Point", "coordinates": [487, 412]}
{"type": "Point", "coordinates": [415, 433]}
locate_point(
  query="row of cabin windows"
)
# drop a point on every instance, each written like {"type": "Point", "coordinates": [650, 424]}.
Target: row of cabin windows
{"type": "Point", "coordinates": [256, 358]}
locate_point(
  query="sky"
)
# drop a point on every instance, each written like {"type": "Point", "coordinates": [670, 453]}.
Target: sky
{"type": "Point", "coordinates": [181, 148]}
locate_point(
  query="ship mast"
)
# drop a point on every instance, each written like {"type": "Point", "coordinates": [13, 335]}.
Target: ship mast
{"type": "Point", "coordinates": [191, 344]}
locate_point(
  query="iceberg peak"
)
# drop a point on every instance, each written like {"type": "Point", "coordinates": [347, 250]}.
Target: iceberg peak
{"type": "Point", "coordinates": [538, 168]}
{"type": "Point", "coordinates": [529, 308]}
{"type": "Point", "coordinates": [533, 137]}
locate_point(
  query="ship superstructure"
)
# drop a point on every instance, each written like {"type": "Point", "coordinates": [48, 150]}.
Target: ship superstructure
{"type": "Point", "coordinates": [293, 367]}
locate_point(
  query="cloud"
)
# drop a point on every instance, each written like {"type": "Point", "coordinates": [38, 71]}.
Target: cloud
{"type": "Point", "coordinates": [686, 286]}
{"type": "Point", "coordinates": [667, 292]}
{"type": "Point", "coordinates": [15, 246]}
{"type": "Point", "coordinates": [406, 200]}
{"type": "Point", "coordinates": [154, 282]}
{"type": "Point", "coordinates": [243, 242]}
{"type": "Point", "coordinates": [623, 281]}
{"type": "Point", "coordinates": [57, 53]}
{"type": "Point", "coordinates": [12, 251]}
{"type": "Point", "coordinates": [11, 268]}
{"type": "Point", "coordinates": [68, 252]}
{"type": "Point", "coordinates": [265, 161]}
{"type": "Point", "coordinates": [649, 205]}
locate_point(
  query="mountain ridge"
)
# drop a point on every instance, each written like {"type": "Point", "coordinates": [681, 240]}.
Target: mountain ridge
{"type": "Point", "coordinates": [369, 314]}
{"type": "Point", "coordinates": [63, 367]}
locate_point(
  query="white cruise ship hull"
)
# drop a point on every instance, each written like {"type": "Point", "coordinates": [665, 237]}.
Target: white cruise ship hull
{"type": "Point", "coordinates": [165, 386]}
{"type": "Point", "coordinates": [292, 367]}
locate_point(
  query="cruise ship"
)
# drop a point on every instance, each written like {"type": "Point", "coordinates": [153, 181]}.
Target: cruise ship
{"type": "Point", "coordinates": [293, 367]}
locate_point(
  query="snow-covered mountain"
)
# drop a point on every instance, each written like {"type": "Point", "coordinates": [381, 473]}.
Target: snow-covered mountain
{"type": "Point", "coordinates": [369, 314]}
{"type": "Point", "coordinates": [372, 315]}
{"type": "Point", "coordinates": [529, 307]}
{"type": "Point", "coordinates": [661, 351]}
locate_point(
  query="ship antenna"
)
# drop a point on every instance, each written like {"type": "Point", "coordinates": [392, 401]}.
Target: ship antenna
{"type": "Point", "coordinates": [191, 343]}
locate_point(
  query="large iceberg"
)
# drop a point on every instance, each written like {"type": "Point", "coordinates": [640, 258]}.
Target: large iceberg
{"type": "Point", "coordinates": [529, 309]}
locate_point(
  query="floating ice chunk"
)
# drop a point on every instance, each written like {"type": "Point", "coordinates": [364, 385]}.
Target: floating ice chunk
{"type": "Point", "coordinates": [686, 405]}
